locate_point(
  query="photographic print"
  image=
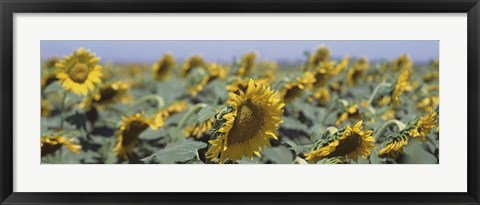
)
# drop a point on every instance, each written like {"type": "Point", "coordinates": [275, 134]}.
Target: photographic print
{"type": "Point", "coordinates": [239, 102]}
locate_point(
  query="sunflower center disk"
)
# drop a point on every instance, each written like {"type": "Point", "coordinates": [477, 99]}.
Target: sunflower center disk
{"type": "Point", "coordinates": [79, 72]}
{"type": "Point", "coordinates": [107, 94]}
{"type": "Point", "coordinates": [132, 132]}
{"type": "Point", "coordinates": [347, 146]}
{"type": "Point", "coordinates": [292, 93]}
{"type": "Point", "coordinates": [247, 124]}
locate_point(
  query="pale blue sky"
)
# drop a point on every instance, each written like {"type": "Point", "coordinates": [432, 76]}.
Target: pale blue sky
{"type": "Point", "coordinates": [224, 51]}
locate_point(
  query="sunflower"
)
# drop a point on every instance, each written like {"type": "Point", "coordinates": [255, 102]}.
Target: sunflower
{"type": "Point", "coordinates": [268, 70]}
{"type": "Point", "coordinates": [402, 85]}
{"type": "Point", "coordinates": [46, 108]}
{"type": "Point", "coordinates": [247, 64]}
{"type": "Point", "coordinates": [323, 73]}
{"type": "Point", "coordinates": [107, 94]}
{"type": "Point", "coordinates": [198, 87]}
{"type": "Point", "coordinates": [130, 129]}
{"type": "Point", "coordinates": [350, 112]}
{"type": "Point", "coordinates": [191, 63]}
{"type": "Point", "coordinates": [356, 73]}
{"type": "Point", "coordinates": [342, 65]}
{"type": "Point", "coordinates": [429, 77]}
{"type": "Point", "coordinates": [321, 96]}
{"type": "Point", "coordinates": [50, 63]}
{"type": "Point", "coordinates": [50, 144]}
{"type": "Point", "coordinates": [159, 118]}
{"type": "Point", "coordinates": [238, 84]}
{"type": "Point", "coordinates": [198, 129]}
{"type": "Point", "coordinates": [393, 148]}
{"type": "Point", "coordinates": [47, 80]}
{"type": "Point", "coordinates": [322, 55]}
{"type": "Point", "coordinates": [427, 104]}
{"type": "Point", "coordinates": [216, 71]}
{"type": "Point", "coordinates": [350, 142]}
{"type": "Point", "coordinates": [295, 88]}
{"type": "Point", "coordinates": [423, 125]}
{"type": "Point", "coordinates": [161, 69]}
{"type": "Point", "coordinates": [388, 114]}
{"type": "Point", "coordinates": [402, 62]}
{"type": "Point", "coordinates": [436, 63]}
{"type": "Point", "coordinates": [174, 108]}
{"type": "Point", "coordinates": [385, 100]}
{"type": "Point", "coordinates": [79, 72]}
{"type": "Point", "coordinates": [254, 118]}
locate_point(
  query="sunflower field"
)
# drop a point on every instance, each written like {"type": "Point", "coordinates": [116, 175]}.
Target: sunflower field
{"type": "Point", "coordinates": [196, 111]}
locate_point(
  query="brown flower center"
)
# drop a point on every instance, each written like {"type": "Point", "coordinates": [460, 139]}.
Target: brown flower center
{"type": "Point", "coordinates": [107, 94]}
{"type": "Point", "coordinates": [247, 123]}
{"type": "Point", "coordinates": [133, 130]}
{"type": "Point", "coordinates": [79, 72]}
{"type": "Point", "coordinates": [347, 146]}
{"type": "Point", "coordinates": [49, 148]}
{"type": "Point", "coordinates": [292, 93]}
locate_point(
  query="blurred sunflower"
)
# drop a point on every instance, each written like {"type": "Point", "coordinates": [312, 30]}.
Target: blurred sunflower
{"type": "Point", "coordinates": [107, 94]}
{"type": "Point", "coordinates": [355, 73]}
{"type": "Point", "coordinates": [191, 63]}
{"type": "Point", "coordinates": [130, 129]}
{"type": "Point", "coordinates": [50, 144]}
{"type": "Point", "coordinates": [47, 80]}
{"type": "Point", "coordinates": [79, 72]}
{"type": "Point", "coordinates": [254, 118]}
{"type": "Point", "coordinates": [321, 55]}
{"type": "Point", "coordinates": [199, 129]}
{"type": "Point", "coordinates": [423, 125]}
{"type": "Point", "coordinates": [342, 65]}
{"type": "Point", "coordinates": [388, 114]}
{"type": "Point", "coordinates": [393, 148]}
{"type": "Point", "coordinates": [323, 73]}
{"type": "Point", "coordinates": [402, 85]}
{"type": "Point", "coordinates": [197, 88]}
{"type": "Point", "coordinates": [402, 62]}
{"type": "Point", "coordinates": [50, 63]}
{"type": "Point", "coordinates": [431, 76]}
{"type": "Point", "coordinates": [46, 108]}
{"type": "Point", "coordinates": [427, 104]}
{"type": "Point", "coordinates": [436, 63]}
{"type": "Point", "coordinates": [385, 100]}
{"type": "Point", "coordinates": [295, 88]}
{"type": "Point", "coordinates": [161, 69]}
{"type": "Point", "coordinates": [350, 142]}
{"type": "Point", "coordinates": [268, 70]}
{"type": "Point", "coordinates": [247, 64]}
{"type": "Point", "coordinates": [238, 84]}
{"type": "Point", "coordinates": [160, 117]}
{"type": "Point", "coordinates": [174, 108]}
{"type": "Point", "coordinates": [216, 71]}
{"type": "Point", "coordinates": [321, 96]}
{"type": "Point", "coordinates": [350, 112]}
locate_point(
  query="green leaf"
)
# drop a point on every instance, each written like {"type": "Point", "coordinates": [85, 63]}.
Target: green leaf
{"type": "Point", "coordinates": [205, 113]}
{"type": "Point", "coordinates": [53, 87]}
{"type": "Point", "coordinates": [179, 152]}
{"type": "Point", "coordinates": [278, 155]}
{"type": "Point", "coordinates": [416, 154]}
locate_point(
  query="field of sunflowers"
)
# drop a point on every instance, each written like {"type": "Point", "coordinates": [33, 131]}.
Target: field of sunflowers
{"type": "Point", "coordinates": [195, 111]}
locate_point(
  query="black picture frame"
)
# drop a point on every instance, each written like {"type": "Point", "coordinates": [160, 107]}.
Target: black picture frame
{"type": "Point", "coordinates": [10, 7]}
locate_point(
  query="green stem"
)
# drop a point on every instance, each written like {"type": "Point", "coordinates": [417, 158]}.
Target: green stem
{"type": "Point", "coordinates": [375, 93]}
{"type": "Point", "coordinates": [62, 108]}
{"type": "Point", "coordinates": [191, 112]}
{"type": "Point", "coordinates": [387, 124]}
{"type": "Point", "coordinates": [146, 98]}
